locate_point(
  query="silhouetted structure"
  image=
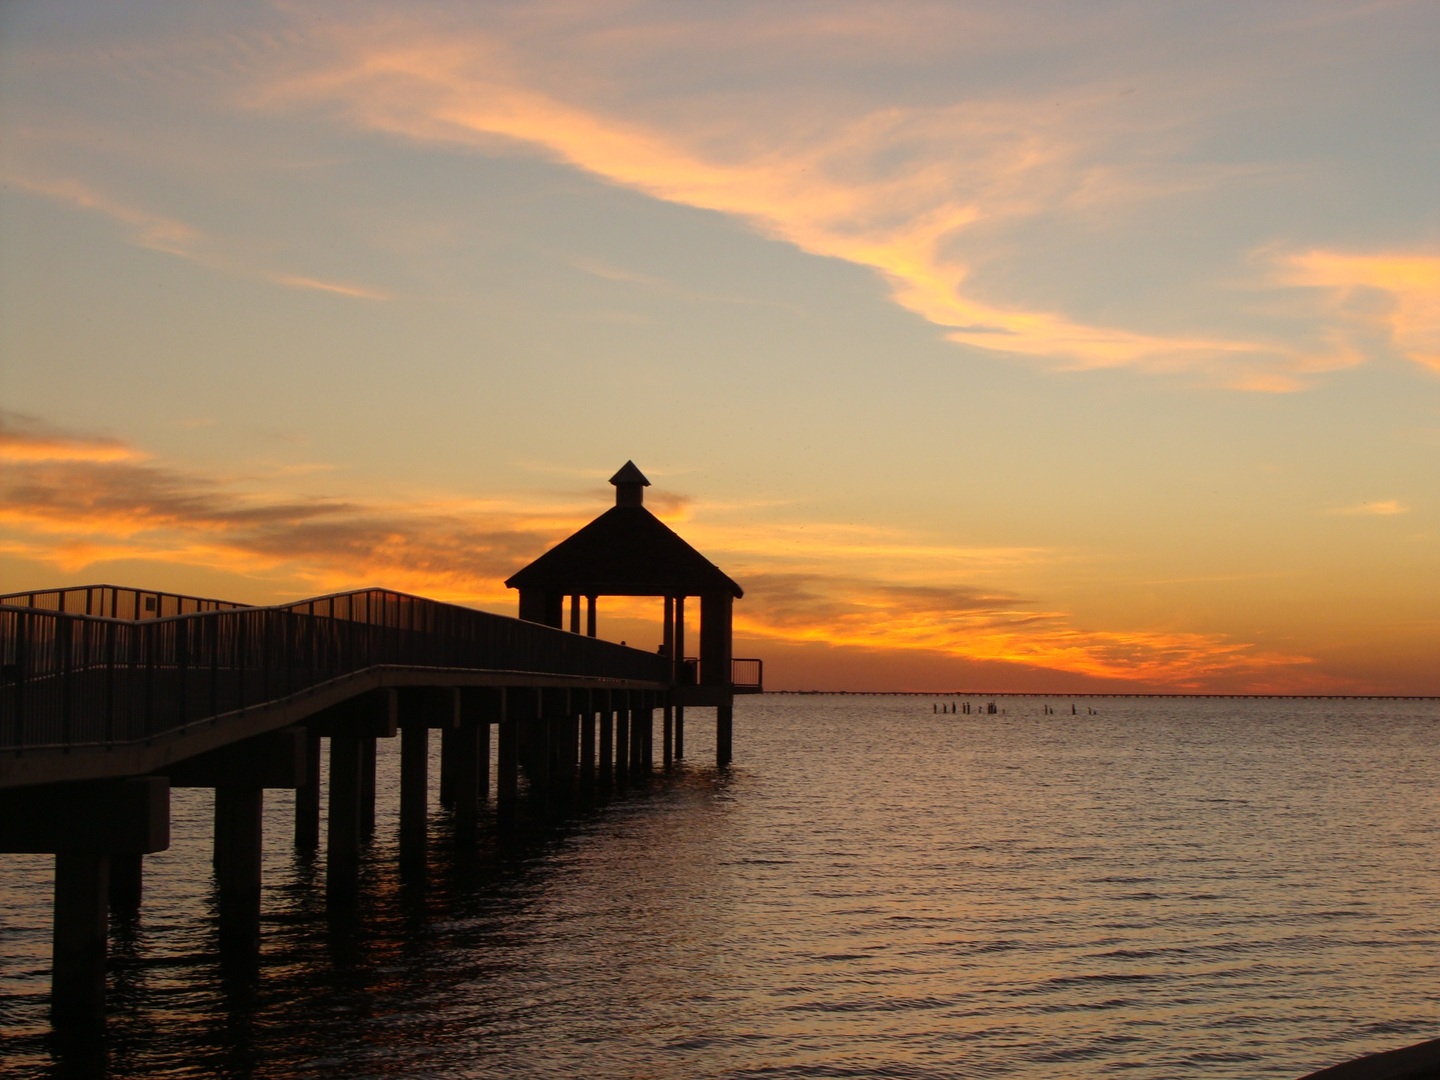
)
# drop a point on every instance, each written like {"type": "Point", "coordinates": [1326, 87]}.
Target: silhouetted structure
{"type": "Point", "coordinates": [110, 697]}
{"type": "Point", "coordinates": [628, 551]}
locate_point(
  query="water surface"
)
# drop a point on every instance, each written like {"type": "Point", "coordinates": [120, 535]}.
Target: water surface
{"type": "Point", "coordinates": [1159, 889]}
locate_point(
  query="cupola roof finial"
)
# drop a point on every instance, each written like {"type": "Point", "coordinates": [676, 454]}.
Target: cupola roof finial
{"type": "Point", "coordinates": [630, 485]}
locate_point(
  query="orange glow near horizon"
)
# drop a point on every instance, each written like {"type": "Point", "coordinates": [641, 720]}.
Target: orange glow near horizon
{"type": "Point", "coordinates": [119, 507]}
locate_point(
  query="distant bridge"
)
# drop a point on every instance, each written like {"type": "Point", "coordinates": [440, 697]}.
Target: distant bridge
{"type": "Point", "coordinates": [110, 695]}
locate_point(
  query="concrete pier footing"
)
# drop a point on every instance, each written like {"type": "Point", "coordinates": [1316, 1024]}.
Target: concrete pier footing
{"type": "Point", "coordinates": [342, 850]}
{"type": "Point", "coordinates": [414, 790]}
{"type": "Point", "coordinates": [78, 946]}
{"type": "Point", "coordinates": [607, 747]}
{"type": "Point", "coordinates": [307, 799]}
{"type": "Point", "coordinates": [239, 813]}
{"type": "Point", "coordinates": [127, 884]}
{"type": "Point", "coordinates": [724, 734]}
{"type": "Point", "coordinates": [622, 745]}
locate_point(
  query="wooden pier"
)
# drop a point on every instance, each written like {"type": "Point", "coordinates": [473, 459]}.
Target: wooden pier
{"type": "Point", "coordinates": [110, 697]}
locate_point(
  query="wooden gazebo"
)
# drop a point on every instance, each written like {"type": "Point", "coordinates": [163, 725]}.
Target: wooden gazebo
{"type": "Point", "coordinates": [628, 551]}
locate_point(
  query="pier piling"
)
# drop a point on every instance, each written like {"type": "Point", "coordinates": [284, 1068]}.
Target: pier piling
{"type": "Point", "coordinates": [239, 813]}
{"type": "Point", "coordinates": [414, 788]}
{"type": "Point", "coordinates": [607, 744]}
{"type": "Point", "coordinates": [307, 798]}
{"type": "Point", "coordinates": [342, 853]}
{"type": "Point", "coordinates": [127, 884]}
{"type": "Point", "coordinates": [81, 925]}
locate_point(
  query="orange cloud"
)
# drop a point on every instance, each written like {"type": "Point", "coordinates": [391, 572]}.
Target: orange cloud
{"type": "Point", "coordinates": [53, 448]}
{"type": "Point", "coordinates": [359, 292]}
{"type": "Point", "coordinates": [873, 589]}
{"type": "Point", "coordinates": [1410, 282]}
{"type": "Point", "coordinates": [1379, 508]}
{"type": "Point", "coordinates": [897, 190]}
{"type": "Point", "coordinates": [985, 625]}
{"type": "Point", "coordinates": [148, 229]}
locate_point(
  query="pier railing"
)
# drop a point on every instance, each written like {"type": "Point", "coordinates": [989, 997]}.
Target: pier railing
{"type": "Point", "coordinates": [747, 674]}
{"type": "Point", "coordinates": [71, 679]}
{"type": "Point", "coordinates": [116, 602]}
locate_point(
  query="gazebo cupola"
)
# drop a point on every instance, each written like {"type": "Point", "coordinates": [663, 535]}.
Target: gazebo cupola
{"type": "Point", "coordinates": [628, 551]}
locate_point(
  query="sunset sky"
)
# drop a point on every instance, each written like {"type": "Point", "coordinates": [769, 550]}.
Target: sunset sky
{"type": "Point", "coordinates": [1044, 346]}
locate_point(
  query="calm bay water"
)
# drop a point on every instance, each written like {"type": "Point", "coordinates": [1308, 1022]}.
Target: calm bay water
{"type": "Point", "coordinates": [1167, 888]}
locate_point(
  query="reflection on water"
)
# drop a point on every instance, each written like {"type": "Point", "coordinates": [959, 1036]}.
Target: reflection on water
{"type": "Point", "coordinates": [1168, 888]}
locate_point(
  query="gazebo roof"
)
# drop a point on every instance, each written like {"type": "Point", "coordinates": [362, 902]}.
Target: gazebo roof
{"type": "Point", "coordinates": [626, 551]}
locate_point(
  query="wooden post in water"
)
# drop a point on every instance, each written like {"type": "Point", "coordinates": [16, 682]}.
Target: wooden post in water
{"type": "Point", "coordinates": [667, 735]}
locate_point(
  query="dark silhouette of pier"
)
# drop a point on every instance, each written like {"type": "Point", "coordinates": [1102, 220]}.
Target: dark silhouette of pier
{"type": "Point", "coordinates": [111, 696]}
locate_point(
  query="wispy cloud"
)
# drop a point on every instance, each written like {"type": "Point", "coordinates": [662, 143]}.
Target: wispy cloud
{"type": "Point", "coordinates": [360, 292]}
{"type": "Point", "coordinates": [171, 236]}
{"type": "Point", "coordinates": [26, 439]}
{"type": "Point", "coordinates": [145, 228]}
{"type": "Point", "coordinates": [1409, 284]}
{"type": "Point", "coordinates": [1378, 508]}
{"type": "Point", "coordinates": [899, 189]}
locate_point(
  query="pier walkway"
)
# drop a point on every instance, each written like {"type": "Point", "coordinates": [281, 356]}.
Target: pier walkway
{"type": "Point", "coordinates": [110, 696]}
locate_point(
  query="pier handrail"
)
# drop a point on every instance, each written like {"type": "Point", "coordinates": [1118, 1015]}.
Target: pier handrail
{"type": "Point", "coordinates": [116, 601]}
{"type": "Point", "coordinates": [747, 673]}
{"type": "Point", "coordinates": [73, 680]}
